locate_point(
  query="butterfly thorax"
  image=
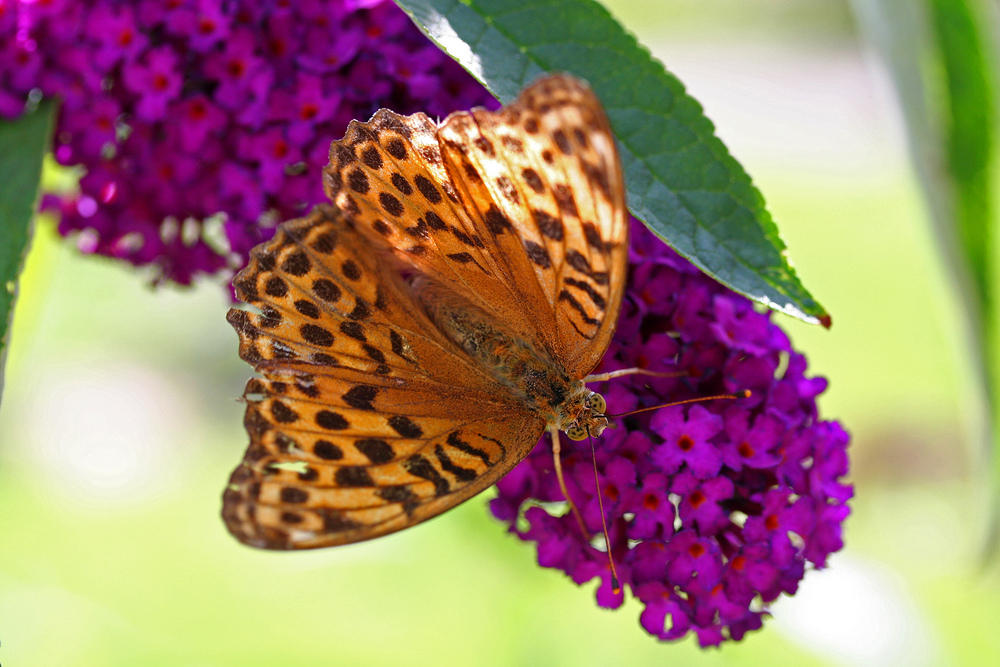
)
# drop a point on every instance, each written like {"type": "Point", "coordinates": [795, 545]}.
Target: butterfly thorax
{"type": "Point", "coordinates": [531, 375]}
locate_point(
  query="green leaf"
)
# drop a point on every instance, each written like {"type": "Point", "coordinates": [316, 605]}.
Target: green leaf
{"type": "Point", "coordinates": [944, 78]}
{"type": "Point", "coordinates": [969, 115]}
{"type": "Point", "coordinates": [969, 138]}
{"type": "Point", "coordinates": [22, 146]}
{"type": "Point", "coordinates": [682, 181]}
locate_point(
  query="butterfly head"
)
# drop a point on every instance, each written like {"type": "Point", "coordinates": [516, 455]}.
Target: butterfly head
{"type": "Point", "coordinates": [590, 420]}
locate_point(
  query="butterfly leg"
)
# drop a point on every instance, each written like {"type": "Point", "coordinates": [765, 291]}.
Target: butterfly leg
{"type": "Point", "coordinates": [601, 377]}
{"type": "Point", "coordinates": [557, 459]}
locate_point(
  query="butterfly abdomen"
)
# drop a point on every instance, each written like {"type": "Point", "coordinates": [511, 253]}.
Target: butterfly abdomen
{"type": "Point", "coordinates": [531, 376]}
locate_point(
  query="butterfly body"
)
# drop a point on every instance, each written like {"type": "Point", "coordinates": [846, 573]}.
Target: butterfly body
{"type": "Point", "coordinates": [391, 391]}
{"type": "Point", "coordinates": [534, 379]}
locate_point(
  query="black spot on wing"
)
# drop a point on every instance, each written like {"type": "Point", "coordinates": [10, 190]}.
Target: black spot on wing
{"type": "Point", "coordinates": [390, 204]}
{"type": "Point", "coordinates": [353, 476]}
{"type": "Point", "coordinates": [276, 287]}
{"type": "Point", "coordinates": [334, 521]}
{"type": "Point", "coordinates": [594, 295]}
{"type": "Point", "coordinates": [350, 269]}
{"type": "Point", "coordinates": [370, 156]}
{"type": "Point", "coordinates": [549, 225]}
{"type": "Point", "coordinates": [294, 495]}
{"type": "Point", "coordinates": [354, 330]}
{"type": "Point", "coordinates": [496, 222]}
{"type": "Point", "coordinates": [405, 427]}
{"type": "Point", "coordinates": [594, 239]}
{"type": "Point", "coordinates": [376, 450]}
{"type": "Point", "coordinates": [396, 148]}
{"type": "Point", "coordinates": [537, 254]}
{"type": "Point", "coordinates": [533, 180]}
{"type": "Point", "coordinates": [508, 190]}
{"type": "Point", "coordinates": [297, 263]}
{"type": "Point", "coordinates": [420, 467]}
{"type": "Point", "coordinates": [283, 414]}
{"type": "Point", "coordinates": [332, 421]}
{"type": "Point", "coordinates": [460, 473]}
{"type": "Point", "coordinates": [399, 494]}
{"type": "Point", "coordinates": [401, 184]}
{"type": "Point", "coordinates": [327, 290]}
{"type": "Point", "coordinates": [316, 335]}
{"type": "Point", "coordinates": [565, 200]}
{"type": "Point", "coordinates": [307, 308]}
{"type": "Point", "coordinates": [327, 451]}
{"type": "Point", "coordinates": [575, 259]}
{"type": "Point", "coordinates": [575, 305]}
{"type": "Point", "coordinates": [325, 243]}
{"type": "Point", "coordinates": [427, 189]}
{"type": "Point", "coordinates": [361, 396]}
{"type": "Point", "coordinates": [562, 142]}
{"type": "Point", "coordinates": [459, 444]}
{"type": "Point", "coordinates": [358, 181]}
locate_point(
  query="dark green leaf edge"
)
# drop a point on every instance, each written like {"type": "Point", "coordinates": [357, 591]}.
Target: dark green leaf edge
{"type": "Point", "coordinates": [22, 147]}
{"type": "Point", "coordinates": [651, 143]}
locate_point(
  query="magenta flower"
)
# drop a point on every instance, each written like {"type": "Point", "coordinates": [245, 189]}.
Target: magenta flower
{"type": "Point", "coordinates": [686, 432]}
{"type": "Point", "coordinates": [117, 37]}
{"type": "Point", "coordinates": [203, 24]}
{"type": "Point", "coordinates": [187, 110]}
{"type": "Point", "coordinates": [714, 508]}
{"type": "Point", "coordinates": [156, 80]}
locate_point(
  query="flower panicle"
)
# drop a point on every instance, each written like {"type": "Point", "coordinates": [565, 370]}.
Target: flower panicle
{"type": "Point", "coordinates": [209, 117]}
{"type": "Point", "coordinates": [714, 508]}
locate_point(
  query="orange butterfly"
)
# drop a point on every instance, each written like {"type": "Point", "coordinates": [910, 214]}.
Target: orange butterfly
{"type": "Point", "coordinates": [416, 338]}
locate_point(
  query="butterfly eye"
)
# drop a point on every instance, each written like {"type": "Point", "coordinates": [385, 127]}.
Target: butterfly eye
{"type": "Point", "coordinates": [576, 432]}
{"type": "Point", "coordinates": [598, 404]}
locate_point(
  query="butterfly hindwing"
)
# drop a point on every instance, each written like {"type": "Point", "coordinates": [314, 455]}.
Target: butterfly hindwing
{"type": "Point", "coordinates": [546, 169]}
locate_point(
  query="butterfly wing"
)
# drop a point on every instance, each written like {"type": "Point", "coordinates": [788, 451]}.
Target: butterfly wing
{"type": "Point", "coordinates": [366, 420]}
{"type": "Point", "coordinates": [521, 212]}
{"type": "Point", "coordinates": [549, 165]}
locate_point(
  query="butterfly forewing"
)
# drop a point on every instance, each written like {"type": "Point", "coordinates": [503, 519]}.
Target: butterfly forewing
{"type": "Point", "coordinates": [521, 212]}
{"type": "Point", "coordinates": [389, 177]}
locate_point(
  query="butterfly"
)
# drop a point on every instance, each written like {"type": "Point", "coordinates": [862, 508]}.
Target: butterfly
{"type": "Point", "coordinates": [416, 337]}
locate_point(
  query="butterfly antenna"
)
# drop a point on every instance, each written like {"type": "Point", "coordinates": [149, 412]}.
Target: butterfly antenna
{"type": "Point", "coordinates": [601, 377]}
{"type": "Point", "coordinates": [743, 394]}
{"type": "Point", "coordinates": [556, 458]}
{"type": "Point", "coordinates": [615, 587]}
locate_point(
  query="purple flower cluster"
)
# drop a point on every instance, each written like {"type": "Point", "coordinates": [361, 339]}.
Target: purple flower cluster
{"type": "Point", "coordinates": [202, 123]}
{"type": "Point", "coordinates": [713, 508]}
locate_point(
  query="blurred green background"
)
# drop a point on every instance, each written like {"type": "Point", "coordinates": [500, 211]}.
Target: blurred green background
{"type": "Point", "coordinates": [120, 425]}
